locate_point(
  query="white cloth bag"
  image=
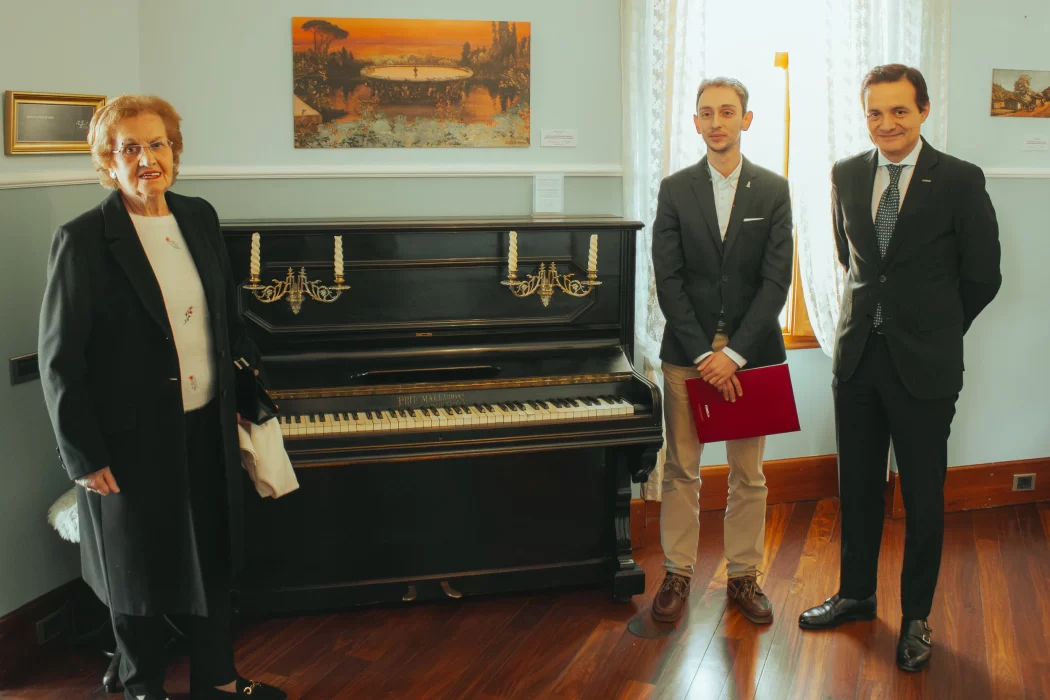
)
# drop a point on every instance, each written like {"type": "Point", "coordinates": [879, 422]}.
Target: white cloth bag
{"type": "Point", "coordinates": [264, 458]}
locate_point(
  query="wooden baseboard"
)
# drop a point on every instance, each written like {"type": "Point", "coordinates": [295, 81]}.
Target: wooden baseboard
{"type": "Point", "coordinates": [981, 486]}
{"type": "Point", "coordinates": [814, 478]}
{"type": "Point", "coordinates": [788, 481]}
{"type": "Point", "coordinates": [18, 635]}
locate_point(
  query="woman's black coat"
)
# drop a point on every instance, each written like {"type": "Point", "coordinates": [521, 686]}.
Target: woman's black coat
{"type": "Point", "coordinates": [110, 375]}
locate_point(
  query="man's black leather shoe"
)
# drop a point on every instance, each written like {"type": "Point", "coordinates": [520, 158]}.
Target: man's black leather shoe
{"type": "Point", "coordinates": [915, 645]}
{"type": "Point", "coordinates": [837, 610]}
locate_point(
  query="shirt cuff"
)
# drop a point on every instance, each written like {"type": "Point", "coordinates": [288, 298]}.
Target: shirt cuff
{"type": "Point", "coordinates": [734, 356]}
{"type": "Point", "coordinates": [701, 358]}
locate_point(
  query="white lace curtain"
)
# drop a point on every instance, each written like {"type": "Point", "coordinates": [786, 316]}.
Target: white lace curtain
{"type": "Point", "coordinates": [669, 46]}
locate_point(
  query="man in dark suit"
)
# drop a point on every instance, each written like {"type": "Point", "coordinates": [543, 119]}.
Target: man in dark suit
{"type": "Point", "coordinates": [722, 254]}
{"type": "Point", "coordinates": [917, 235]}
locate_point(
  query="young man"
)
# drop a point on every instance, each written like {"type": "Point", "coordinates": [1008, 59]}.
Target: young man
{"type": "Point", "coordinates": [722, 254]}
{"type": "Point", "coordinates": [917, 235]}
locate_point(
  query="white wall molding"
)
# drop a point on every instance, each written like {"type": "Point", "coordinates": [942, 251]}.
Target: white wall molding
{"type": "Point", "coordinates": [321, 172]}
{"type": "Point", "coordinates": [1017, 173]}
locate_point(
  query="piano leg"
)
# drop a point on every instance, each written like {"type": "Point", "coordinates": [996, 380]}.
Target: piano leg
{"type": "Point", "coordinates": [629, 578]}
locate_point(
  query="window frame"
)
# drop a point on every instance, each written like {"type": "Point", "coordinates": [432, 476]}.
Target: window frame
{"type": "Point", "coordinates": [798, 332]}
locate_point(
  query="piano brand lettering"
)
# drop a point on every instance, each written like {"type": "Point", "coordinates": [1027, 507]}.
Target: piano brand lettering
{"type": "Point", "coordinates": [427, 399]}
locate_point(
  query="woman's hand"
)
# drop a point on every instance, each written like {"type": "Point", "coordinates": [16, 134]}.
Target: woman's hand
{"type": "Point", "coordinates": [101, 482]}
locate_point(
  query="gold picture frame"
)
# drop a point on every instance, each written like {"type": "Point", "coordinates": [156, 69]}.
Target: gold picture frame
{"type": "Point", "coordinates": [43, 122]}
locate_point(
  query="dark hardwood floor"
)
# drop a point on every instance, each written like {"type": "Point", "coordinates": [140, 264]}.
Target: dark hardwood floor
{"type": "Point", "coordinates": [990, 623]}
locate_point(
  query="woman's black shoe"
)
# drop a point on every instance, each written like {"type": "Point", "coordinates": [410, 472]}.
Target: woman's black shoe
{"type": "Point", "coordinates": [245, 689]}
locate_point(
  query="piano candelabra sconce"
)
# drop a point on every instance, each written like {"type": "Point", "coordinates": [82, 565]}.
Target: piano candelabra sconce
{"type": "Point", "coordinates": [547, 278]}
{"type": "Point", "coordinates": [296, 287]}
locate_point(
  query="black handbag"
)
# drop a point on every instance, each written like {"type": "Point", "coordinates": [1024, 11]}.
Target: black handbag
{"type": "Point", "coordinates": [253, 403]}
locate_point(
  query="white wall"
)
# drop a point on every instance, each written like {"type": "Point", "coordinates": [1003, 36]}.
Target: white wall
{"type": "Point", "coordinates": [1004, 409]}
{"type": "Point", "coordinates": [227, 68]}
{"type": "Point", "coordinates": [89, 48]}
{"type": "Point", "coordinates": [1006, 34]}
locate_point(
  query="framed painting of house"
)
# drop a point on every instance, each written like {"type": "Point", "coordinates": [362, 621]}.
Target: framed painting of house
{"type": "Point", "coordinates": [1020, 93]}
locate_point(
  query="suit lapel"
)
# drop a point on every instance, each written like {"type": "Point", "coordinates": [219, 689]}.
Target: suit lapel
{"type": "Point", "coordinates": [866, 227]}
{"type": "Point", "coordinates": [705, 194]}
{"type": "Point", "coordinates": [127, 249]}
{"type": "Point", "coordinates": [741, 203]}
{"type": "Point", "coordinates": [915, 197]}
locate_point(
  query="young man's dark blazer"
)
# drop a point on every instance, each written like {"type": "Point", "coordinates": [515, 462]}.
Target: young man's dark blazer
{"type": "Point", "coordinates": [748, 275]}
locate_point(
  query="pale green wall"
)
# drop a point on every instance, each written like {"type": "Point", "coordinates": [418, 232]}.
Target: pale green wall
{"type": "Point", "coordinates": [46, 46]}
{"type": "Point", "coordinates": [225, 65]}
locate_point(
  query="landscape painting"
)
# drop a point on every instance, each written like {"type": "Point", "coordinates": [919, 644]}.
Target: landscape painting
{"type": "Point", "coordinates": [397, 83]}
{"type": "Point", "coordinates": [1020, 93]}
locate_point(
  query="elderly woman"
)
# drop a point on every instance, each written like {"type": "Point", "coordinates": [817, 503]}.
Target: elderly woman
{"type": "Point", "coordinates": [138, 331]}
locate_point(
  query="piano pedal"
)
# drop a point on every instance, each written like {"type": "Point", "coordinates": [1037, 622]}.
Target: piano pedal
{"type": "Point", "coordinates": [410, 595]}
{"type": "Point", "coordinates": [450, 591]}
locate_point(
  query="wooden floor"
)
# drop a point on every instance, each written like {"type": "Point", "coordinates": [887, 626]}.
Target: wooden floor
{"type": "Point", "coordinates": [990, 623]}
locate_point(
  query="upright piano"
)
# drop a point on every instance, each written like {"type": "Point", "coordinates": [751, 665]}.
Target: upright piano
{"type": "Point", "coordinates": [452, 435]}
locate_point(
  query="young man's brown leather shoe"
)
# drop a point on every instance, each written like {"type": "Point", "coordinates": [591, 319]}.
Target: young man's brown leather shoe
{"type": "Point", "coordinates": [670, 600]}
{"type": "Point", "coordinates": [748, 595]}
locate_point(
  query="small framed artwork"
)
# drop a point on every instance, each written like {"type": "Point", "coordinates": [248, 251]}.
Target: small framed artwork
{"type": "Point", "coordinates": [39, 122]}
{"type": "Point", "coordinates": [1020, 93]}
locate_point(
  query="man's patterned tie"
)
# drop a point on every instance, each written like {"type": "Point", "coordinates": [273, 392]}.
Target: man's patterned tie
{"type": "Point", "coordinates": [886, 219]}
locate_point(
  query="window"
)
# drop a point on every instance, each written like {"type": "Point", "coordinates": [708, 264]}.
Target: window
{"type": "Point", "coordinates": [766, 76]}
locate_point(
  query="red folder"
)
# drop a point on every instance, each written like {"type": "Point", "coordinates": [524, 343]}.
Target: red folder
{"type": "Point", "coordinates": [767, 406]}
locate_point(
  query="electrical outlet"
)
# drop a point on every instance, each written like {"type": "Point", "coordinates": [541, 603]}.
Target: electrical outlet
{"type": "Point", "coordinates": [1024, 482]}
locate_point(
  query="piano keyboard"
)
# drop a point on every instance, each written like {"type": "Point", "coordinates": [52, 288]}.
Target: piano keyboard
{"type": "Point", "coordinates": [441, 417]}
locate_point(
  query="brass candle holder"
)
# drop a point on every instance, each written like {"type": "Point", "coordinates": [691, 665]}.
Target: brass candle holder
{"type": "Point", "coordinates": [296, 287]}
{"type": "Point", "coordinates": [547, 278]}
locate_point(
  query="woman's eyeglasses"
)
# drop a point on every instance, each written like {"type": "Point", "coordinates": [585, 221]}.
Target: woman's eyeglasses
{"type": "Point", "coordinates": [133, 151]}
